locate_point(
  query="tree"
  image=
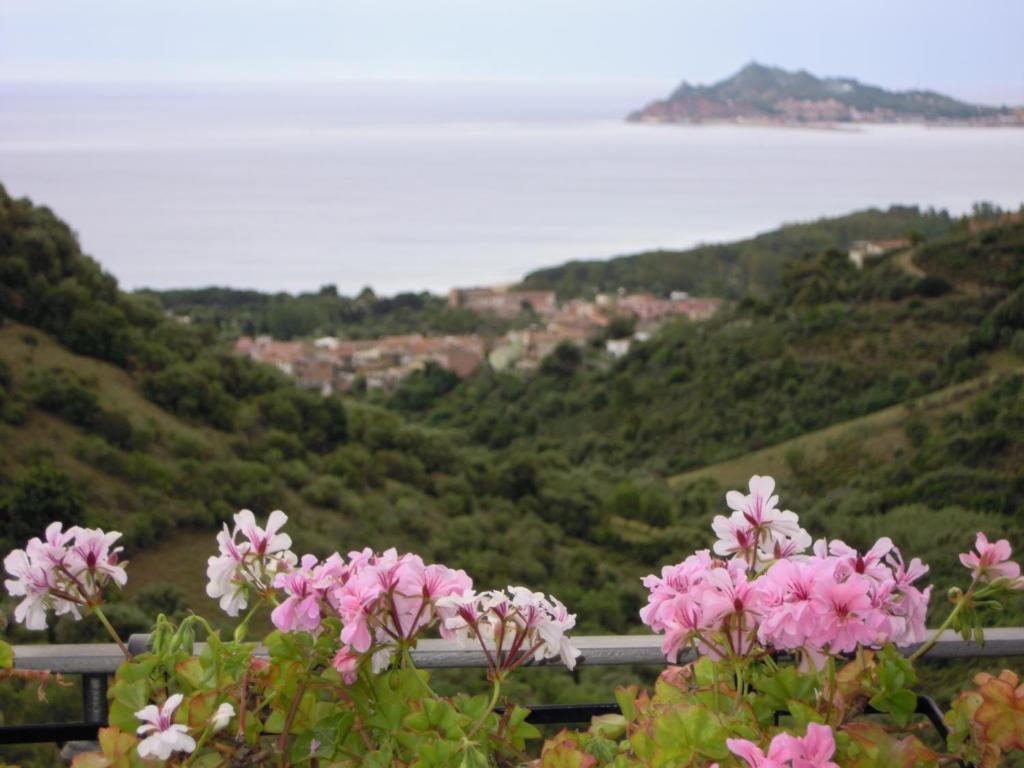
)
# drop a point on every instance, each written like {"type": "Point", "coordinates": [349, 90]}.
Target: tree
{"type": "Point", "coordinates": [39, 495]}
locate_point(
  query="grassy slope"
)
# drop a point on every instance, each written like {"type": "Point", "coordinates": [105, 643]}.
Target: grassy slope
{"type": "Point", "coordinates": [880, 434]}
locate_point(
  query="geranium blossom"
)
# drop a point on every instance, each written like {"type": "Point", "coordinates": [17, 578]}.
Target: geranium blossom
{"type": "Point", "coordinates": [221, 717]}
{"type": "Point", "coordinates": [757, 529]}
{"type": "Point", "coordinates": [814, 750]}
{"type": "Point", "coordinates": [251, 564]}
{"type": "Point", "coordinates": [165, 736]}
{"type": "Point", "coordinates": [512, 626]}
{"type": "Point", "coordinates": [765, 592]}
{"type": "Point", "coordinates": [91, 557]}
{"type": "Point", "coordinates": [63, 572]}
{"type": "Point", "coordinates": [301, 610]}
{"type": "Point", "coordinates": [991, 561]}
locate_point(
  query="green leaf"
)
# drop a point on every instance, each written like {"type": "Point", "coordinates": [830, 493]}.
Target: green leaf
{"type": "Point", "coordinates": [127, 698]}
{"type": "Point", "coordinates": [625, 697]}
{"type": "Point", "coordinates": [803, 714]}
{"type": "Point", "coordinates": [189, 673]}
{"type": "Point", "coordinates": [6, 655]}
{"type": "Point", "coordinates": [899, 705]}
{"type": "Point", "coordinates": [473, 758]}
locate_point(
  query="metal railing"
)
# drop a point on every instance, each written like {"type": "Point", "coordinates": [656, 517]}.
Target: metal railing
{"type": "Point", "coordinates": [95, 662]}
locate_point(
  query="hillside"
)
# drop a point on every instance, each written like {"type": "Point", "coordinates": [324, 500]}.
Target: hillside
{"type": "Point", "coordinates": [760, 94]}
{"type": "Point", "coordinates": [833, 343]}
{"type": "Point", "coordinates": [882, 398]}
{"type": "Point", "coordinates": [746, 268]}
{"type": "Point", "coordinates": [112, 414]}
{"type": "Point", "coordinates": [236, 312]}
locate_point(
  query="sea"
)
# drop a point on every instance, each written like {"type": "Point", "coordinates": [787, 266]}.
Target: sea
{"type": "Point", "coordinates": [413, 186]}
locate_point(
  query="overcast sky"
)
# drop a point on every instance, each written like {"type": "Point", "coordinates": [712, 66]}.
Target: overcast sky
{"type": "Point", "coordinates": [971, 48]}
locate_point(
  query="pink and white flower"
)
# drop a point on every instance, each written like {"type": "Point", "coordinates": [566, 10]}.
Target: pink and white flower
{"type": "Point", "coordinates": [248, 565]}
{"type": "Point", "coordinates": [164, 735]}
{"type": "Point", "coordinates": [65, 572]}
{"type": "Point", "coordinates": [991, 561]}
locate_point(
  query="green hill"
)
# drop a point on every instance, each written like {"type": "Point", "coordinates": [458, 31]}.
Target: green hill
{"type": "Point", "coordinates": [112, 414]}
{"type": "Point", "coordinates": [736, 270]}
{"type": "Point", "coordinates": [881, 397]}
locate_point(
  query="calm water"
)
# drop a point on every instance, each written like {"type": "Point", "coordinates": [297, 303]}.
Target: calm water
{"type": "Point", "coordinates": [409, 187]}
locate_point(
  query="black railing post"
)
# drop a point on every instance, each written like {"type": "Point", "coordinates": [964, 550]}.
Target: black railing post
{"type": "Point", "coordinates": [94, 699]}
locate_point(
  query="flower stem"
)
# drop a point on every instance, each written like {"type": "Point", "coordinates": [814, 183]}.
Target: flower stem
{"type": "Point", "coordinates": [490, 708]}
{"type": "Point", "coordinates": [111, 631]}
{"type": "Point", "coordinates": [199, 745]}
{"type": "Point", "coordinates": [282, 741]}
{"type": "Point", "coordinates": [241, 628]}
{"type": "Point", "coordinates": [938, 633]}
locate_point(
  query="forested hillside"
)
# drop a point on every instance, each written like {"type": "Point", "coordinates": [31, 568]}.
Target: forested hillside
{"type": "Point", "coordinates": [237, 312]}
{"type": "Point", "coordinates": [736, 270]}
{"type": "Point", "coordinates": [881, 397]}
{"type": "Point", "coordinates": [115, 415]}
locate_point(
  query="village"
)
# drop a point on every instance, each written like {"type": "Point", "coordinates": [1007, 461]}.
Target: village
{"type": "Point", "coordinates": [330, 364]}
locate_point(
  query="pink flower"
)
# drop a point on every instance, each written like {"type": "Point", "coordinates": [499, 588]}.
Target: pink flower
{"type": "Point", "coordinates": [347, 663]}
{"type": "Point", "coordinates": [777, 757]}
{"type": "Point", "coordinates": [31, 581]}
{"type": "Point", "coordinates": [674, 590]}
{"type": "Point", "coordinates": [846, 616]}
{"type": "Point", "coordinates": [736, 536]}
{"type": "Point", "coordinates": [815, 749]}
{"type": "Point", "coordinates": [165, 736]}
{"type": "Point", "coordinates": [733, 605]}
{"type": "Point", "coordinates": [992, 560]}
{"type": "Point", "coordinates": [91, 556]}
{"type": "Point", "coordinates": [264, 541]}
{"type": "Point", "coordinates": [870, 564]}
{"type": "Point", "coordinates": [301, 610]}
{"type": "Point", "coordinates": [908, 605]}
{"type": "Point", "coordinates": [356, 601]}
{"type": "Point", "coordinates": [787, 588]}
{"type": "Point", "coordinates": [67, 570]}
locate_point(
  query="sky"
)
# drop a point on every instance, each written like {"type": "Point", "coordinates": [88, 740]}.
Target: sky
{"type": "Point", "coordinates": [968, 49]}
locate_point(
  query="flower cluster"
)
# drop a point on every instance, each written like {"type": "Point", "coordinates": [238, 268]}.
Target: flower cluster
{"type": "Point", "coordinates": [771, 594]}
{"type": "Point", "coordinates": [814, 750]}
{"type": "Point", "coordinates": [64, 571]}
{"type": "Point", "coordinates": [383, 601]}
{"type": "Point", "coordinates": [511, 626]}
{"type": "Point", "coordinates": [249, 565]}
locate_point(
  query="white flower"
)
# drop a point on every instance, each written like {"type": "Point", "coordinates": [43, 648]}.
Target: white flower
{"type": "Point", "coordinates": [226, 573]}
{"type": "Point", "coordinates": [222, 717]}
{"type": "Point", "coordinates": [164, 737]}
{"type": "Point", "coordinates": [757, 522]}
{"type": "Point", "coordinates": [30, 581]}
{"type": "Point", "coordinates": [554, 622]}
{"type": "Point", "coordinates": [253, 562]}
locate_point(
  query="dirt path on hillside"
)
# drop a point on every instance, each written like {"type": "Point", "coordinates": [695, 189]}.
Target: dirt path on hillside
{"type": "Point", "coordinates": [906, 262]}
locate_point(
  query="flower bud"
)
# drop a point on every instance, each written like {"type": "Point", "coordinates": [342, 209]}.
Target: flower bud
{"type": "Point", "coordinates": [955, 595]}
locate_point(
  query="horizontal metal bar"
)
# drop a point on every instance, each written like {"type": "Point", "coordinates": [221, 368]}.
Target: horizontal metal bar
{"type": "Point", "coordinates": [48, 733]}
{"type": "Point", "coordinates": [597, 650]}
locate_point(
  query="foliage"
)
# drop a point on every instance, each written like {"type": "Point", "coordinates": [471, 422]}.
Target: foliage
{"type": "Point", "coordinates": [748, 268]}
{"type": "Point", "coordinates": [240, 312]}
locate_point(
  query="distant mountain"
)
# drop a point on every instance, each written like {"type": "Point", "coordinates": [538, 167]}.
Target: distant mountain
{"type": "Point", "coordinates": [760, 94]}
